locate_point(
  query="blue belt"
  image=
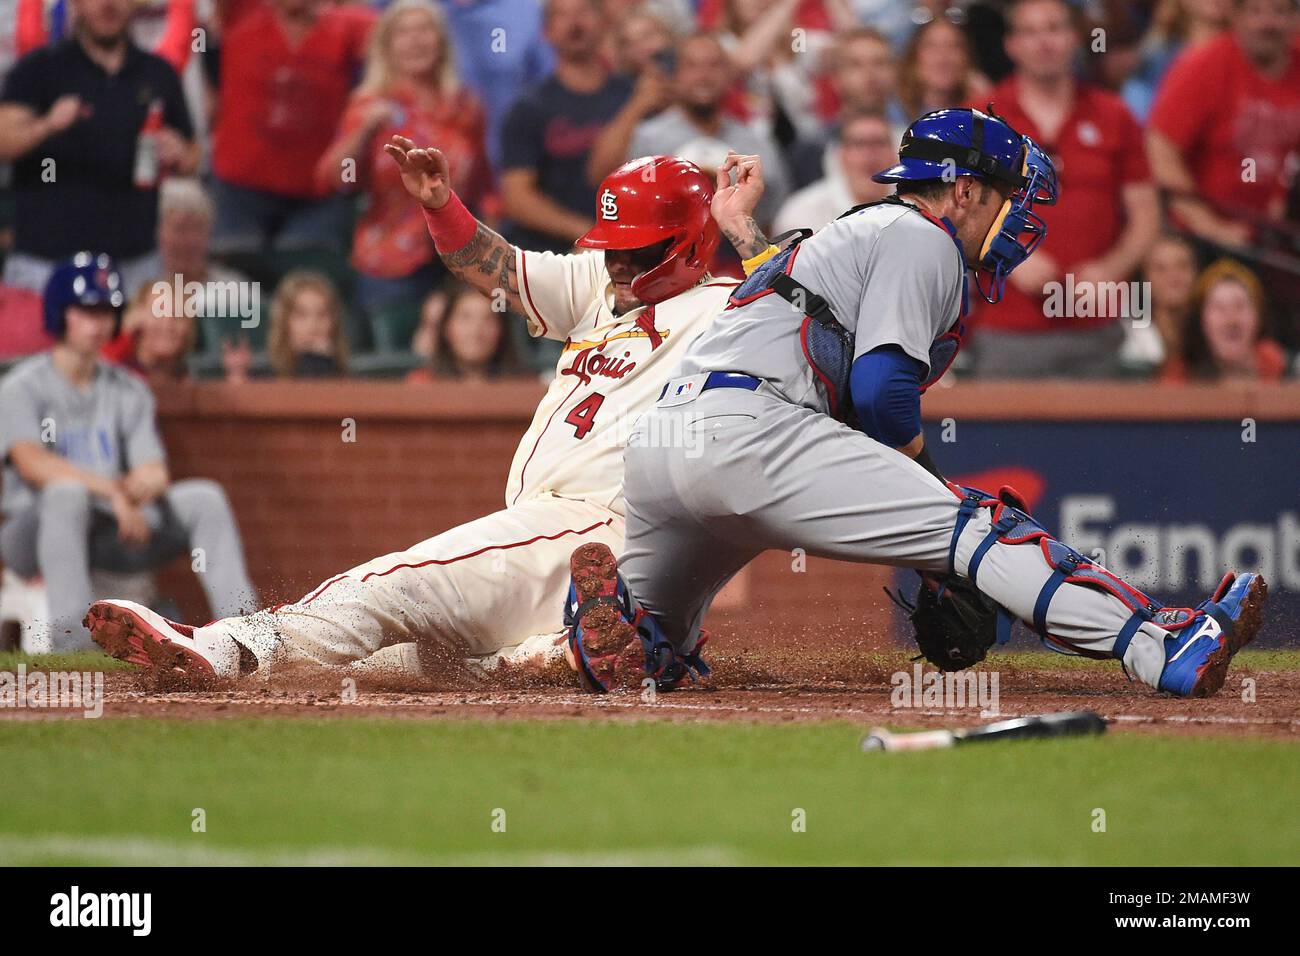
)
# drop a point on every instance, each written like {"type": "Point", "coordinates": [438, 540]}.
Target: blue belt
{"type": "Point", "coordinates": [723, 380]}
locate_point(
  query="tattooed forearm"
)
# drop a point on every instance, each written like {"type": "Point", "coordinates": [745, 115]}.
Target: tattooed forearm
{"type": "Point", "coordinates": [486, 262]}
{"type": "Point", "coordinates": [745, 236]}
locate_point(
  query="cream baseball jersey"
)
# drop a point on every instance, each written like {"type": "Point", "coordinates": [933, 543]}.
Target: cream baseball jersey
{"type": "Point", "coordinates": [612, 369]}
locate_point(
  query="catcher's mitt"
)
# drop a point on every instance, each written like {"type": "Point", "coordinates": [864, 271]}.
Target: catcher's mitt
{"type": "Point", "coordinates": [955, 624]}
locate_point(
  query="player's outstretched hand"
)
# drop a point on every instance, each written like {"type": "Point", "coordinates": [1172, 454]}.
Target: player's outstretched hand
{"type": "Point", "coordinates": [425, 172]}
{"type": "Point", "coordinates": [735, 202]}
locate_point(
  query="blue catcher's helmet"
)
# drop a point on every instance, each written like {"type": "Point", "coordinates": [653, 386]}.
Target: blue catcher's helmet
{"type": "Point", "coordinates": [966, 142]}
{"type": "Point", "coordinates": [87, 278]}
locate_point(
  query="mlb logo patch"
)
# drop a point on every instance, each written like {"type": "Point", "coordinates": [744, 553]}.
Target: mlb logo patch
{"type": "Point", "coordinates": [679, 391]}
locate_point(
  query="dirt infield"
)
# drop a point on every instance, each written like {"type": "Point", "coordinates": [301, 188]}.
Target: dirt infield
{"type": "Point", "coordinates": [863, 687]}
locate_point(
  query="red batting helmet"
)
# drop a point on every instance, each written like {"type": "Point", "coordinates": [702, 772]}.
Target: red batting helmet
{"type": "Point", "coordinates": [649, 200]}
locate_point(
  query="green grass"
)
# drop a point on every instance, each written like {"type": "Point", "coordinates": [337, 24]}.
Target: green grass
{"type": "Point", "coordinates": [392, 790]}
{"type": "Point", "coordinates": [70, 661]}
{"type": "Point", "coordinates": [1272, 659]}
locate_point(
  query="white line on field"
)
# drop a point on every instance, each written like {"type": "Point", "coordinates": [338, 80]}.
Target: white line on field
{"type": "Point", "coordinates": [17, 850]}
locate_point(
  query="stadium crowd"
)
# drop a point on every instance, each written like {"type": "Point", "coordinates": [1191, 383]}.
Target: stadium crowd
{"type": "Point", "coordinates": [237, 144]}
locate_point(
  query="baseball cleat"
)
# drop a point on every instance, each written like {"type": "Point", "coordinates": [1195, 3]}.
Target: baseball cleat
{"type": "Point", "coordinates": [133, 633]}
{"type": "Point", "coordinates": [598, 615]}
{"type": "Point", "coordinates": [1198, 655]}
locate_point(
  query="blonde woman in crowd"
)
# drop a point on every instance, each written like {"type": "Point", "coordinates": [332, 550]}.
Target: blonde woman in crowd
{"type": "Point", "coordinates": [411, 88]}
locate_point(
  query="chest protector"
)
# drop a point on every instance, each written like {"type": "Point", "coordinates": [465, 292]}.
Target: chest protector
{"type": "Point", "coordinates": [827, 345]}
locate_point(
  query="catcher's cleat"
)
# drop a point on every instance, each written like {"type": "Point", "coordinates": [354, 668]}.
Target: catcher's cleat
{"type": "Point", "coordinates": [1198, 654]}
{"type": "Point", "coordinates": [602, 640]}
{"type": "Point", "coordinates": [609, 641]}
{"type": "Point", "coordinates": [133, 633]}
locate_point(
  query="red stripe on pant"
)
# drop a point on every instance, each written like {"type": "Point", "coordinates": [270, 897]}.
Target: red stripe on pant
{"type": "Point", "coordinates": [462, 557]}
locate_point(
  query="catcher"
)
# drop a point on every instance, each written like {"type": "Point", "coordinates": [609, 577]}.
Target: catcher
{"type": "Point", "coordinates": [626, 309]}
{"type": "Point", "coordinates": [808, 387]}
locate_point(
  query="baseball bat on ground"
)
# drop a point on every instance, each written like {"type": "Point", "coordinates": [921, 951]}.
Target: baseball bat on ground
{"type": "Point", "coordinates": [1067, 724]}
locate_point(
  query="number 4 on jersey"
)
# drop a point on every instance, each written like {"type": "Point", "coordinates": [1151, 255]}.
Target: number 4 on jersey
{"type": "Point", "coordinates": [583, 416]}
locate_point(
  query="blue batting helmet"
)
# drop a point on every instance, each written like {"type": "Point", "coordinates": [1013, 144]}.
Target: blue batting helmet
{"type": "Point", "coordinates": [87, 278]}
{"type": "Point", "coordinates": [965, 142]}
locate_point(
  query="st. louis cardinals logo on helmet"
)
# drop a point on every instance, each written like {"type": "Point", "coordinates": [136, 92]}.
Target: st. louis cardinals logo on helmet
{"type": "Point", "coordinates": [609, 206]}
{"type": "Point", "coordinates": [657, 199]}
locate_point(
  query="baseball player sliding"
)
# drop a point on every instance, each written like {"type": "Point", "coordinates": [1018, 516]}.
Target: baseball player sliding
{"type": "Point", "coordinates": [626, 312]}
{"type": "Point", "coordinates": [804, 397]}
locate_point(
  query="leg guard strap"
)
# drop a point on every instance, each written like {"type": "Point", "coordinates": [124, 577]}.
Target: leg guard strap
{"type": "Point", "coordinates": [1136, 620]}
{"type": "Point", "coordinates": [1006, 521]}
{"type": "Point", "coordinates": [1070, 566]}
{"type": "Point", "coordinates": [1065, 567]}
{"type": "Point", "coordinates": [971, 499]}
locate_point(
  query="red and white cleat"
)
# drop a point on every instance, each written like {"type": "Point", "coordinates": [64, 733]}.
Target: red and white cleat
{"type": "Point", "coordinates": [133, 633]}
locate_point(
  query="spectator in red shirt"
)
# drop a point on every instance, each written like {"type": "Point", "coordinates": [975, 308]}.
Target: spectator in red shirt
{"type": "Point", "coordinates": [1227, 336]}
{"type": "Point", "coordinates": [410, 88]}
{"type": "Point", "coordinates": [1225, 128]}
{"type": "Point", "coordinates": [1107, 216]}
{"type": "Point", "coordinates": [286, 67]}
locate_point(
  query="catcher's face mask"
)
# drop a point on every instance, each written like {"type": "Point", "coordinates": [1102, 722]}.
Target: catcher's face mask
{"type": "Point", "coordinates": [1016, 230]}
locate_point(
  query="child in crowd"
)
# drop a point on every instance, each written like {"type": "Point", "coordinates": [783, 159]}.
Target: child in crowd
{"type": "Point", "coordinates": [306, 339]}
{"type": "Point", "coordinates": [158, 340]}
{"type": "Point", "coordinates": [472, 342]}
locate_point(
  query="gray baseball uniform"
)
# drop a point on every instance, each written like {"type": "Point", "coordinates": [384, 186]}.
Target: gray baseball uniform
{"type": "Point", "coordinates": [60, 531]}
{"type": "Point", "coordinates": [747, 471]}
